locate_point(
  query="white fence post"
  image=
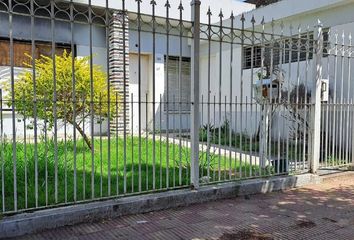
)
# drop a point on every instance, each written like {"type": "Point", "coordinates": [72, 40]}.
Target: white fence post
{"type": "Point", "coordinates": [195, 118]}
{"type": "Point", "coordinates": [316, 101]}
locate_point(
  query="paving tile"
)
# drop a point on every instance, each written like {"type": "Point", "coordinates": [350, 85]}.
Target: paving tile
{"type": "Point", "coordinates": [163, 234]}
{"type": "Point", "coordinates": [125, 233]}
{"type": "Point", "coordinates": [148, 227]}
{"type": "Point", "coordinates": [190, 218]}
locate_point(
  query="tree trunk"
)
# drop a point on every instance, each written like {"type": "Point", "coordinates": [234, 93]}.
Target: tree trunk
{"type": "Point", "coordinates": [82, 133]}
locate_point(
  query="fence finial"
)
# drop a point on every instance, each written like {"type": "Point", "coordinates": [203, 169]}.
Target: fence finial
{"type": "Point", "coordinates": [180, 6]}
{"type": "Point", "coordinates": [253, 21]}
{"type": "Point", "coordinates": [242, 17]}
{"type": "Point", "coordinates": [263, 22]}
{"type": "Point", "coordinates": [221, 15]}
{"type": "Point", "coordinates": [209, 12]}
{"type": "Point", "coordinates": [232, 17]}
{"type": "Point", "coordinates": [153, 2]}
{"type": "Point", "coordinates": [167, 4]}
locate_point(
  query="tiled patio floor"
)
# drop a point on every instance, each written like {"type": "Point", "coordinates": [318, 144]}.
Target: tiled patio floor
{"type": "Point", "coordinates": [323, 211]}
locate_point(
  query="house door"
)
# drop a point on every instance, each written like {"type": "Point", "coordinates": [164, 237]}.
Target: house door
{"type": "Point", "coordinates": [134, 90]}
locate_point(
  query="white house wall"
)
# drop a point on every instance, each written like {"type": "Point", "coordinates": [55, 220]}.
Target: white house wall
{"type": "Point", "coordinates": [250, 119]}
{"type": "Point", "coordinates": [224, 91]}
{"type": "Point", "coordinates": [295, 74]}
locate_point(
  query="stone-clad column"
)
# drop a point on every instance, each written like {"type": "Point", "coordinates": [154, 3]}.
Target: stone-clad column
{"type": "Point", "coordinates": [116, 66]}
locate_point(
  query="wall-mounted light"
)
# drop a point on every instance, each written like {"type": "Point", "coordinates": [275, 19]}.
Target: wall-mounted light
{"type": "Point", "coordinates": [324, 90]}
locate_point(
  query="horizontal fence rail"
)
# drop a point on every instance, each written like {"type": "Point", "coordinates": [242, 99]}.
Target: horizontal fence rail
{"type": "Point", "coordinates": [101, 102]}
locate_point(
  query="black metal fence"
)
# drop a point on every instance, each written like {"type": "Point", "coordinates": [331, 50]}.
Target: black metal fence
{"type": "Point", "coordinates": [99, 102]}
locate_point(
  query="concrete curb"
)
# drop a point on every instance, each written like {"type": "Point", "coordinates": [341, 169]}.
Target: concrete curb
{"type": "Point", "coordinates": [25, 223]}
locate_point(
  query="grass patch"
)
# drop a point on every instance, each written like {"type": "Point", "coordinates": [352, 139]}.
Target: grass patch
{"type": "Point", "coordinates": [171, 170]}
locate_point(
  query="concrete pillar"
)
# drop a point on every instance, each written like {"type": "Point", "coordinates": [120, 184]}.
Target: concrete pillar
{"type": "Point", "coordinates": [316, 102]}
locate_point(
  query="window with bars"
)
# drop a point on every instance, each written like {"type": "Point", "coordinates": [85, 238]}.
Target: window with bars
{"type": "Point", "coordinates": [300, 49]}
{"type": "Point", "coordinates": [177, 93]}
{"type": "Point", "coordinates": [248, 58]}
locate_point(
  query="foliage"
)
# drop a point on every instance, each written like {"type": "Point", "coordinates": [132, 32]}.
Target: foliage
{"type": "Point", "coordinates": [225, 138]}
{"type": "Point", "coordinates": [39, 96]}
{"type": "Point", "coordinates": [208, 126]}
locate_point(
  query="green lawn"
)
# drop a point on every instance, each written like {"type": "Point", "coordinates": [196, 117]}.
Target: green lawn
{"type": "Point", "coordinates": [65, 154]}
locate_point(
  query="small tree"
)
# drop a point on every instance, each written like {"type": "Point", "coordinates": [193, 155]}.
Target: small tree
{"type": "Point", "coordinates": [73, 112]}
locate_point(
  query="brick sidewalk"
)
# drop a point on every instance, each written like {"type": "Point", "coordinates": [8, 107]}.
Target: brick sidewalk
{"type": "Point", "coordinates": [323, 211]}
